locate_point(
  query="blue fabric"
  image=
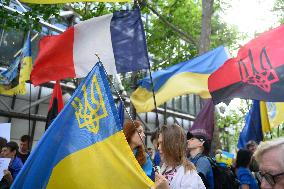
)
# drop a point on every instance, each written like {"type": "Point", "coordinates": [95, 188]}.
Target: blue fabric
{"type": "Point", "coordinates": [147, 166]}
{"type": "Point", "coordinates": [203, 166]}
{"type": "Point", "coordinates": [203, 64]}
{"type": "Point", "coordinates": [70, 132]}
{"type": "Point", "coordinates": [252, 129]}
{"type": "Point", "coordinates": [128, 41]}
{"type": "Point", "coordinates": [15, 167]}
{"type": "Point", "coordinates": [245, 177]}
{"type": "Point", "coordinates": [121, 113]}
{"type": "Point", "coordinates": [157, 159]}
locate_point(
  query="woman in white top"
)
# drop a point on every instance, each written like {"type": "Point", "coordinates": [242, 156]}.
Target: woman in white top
{"type": "Point", "coordinates": [177, 172]}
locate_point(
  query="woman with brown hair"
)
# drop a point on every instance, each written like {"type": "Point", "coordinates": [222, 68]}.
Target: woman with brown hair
{"type": "Point", "coordinates": [135, 136]}
{"type": "Point", "coordinates": [176, 172]}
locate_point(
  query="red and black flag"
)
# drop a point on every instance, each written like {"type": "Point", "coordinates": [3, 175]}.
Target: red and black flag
{"type": "Point", "coordinates": [256, 73]}
{"type": "Point", "coordinates": [56, 104]}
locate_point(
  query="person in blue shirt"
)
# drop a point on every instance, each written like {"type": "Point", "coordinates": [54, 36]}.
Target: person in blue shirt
{"type": "Point", "coordinates": [247, 180]}
{"type": "Point", "coordinates": [198, 147]}
{"type": "Point", "coordinates": [9, 151]}
{"type": "Point", "coordinates": [135, 137]}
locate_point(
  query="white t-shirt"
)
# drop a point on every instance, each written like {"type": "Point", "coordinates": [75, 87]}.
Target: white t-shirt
{"type": "Point", "coordinates": [179, 179]}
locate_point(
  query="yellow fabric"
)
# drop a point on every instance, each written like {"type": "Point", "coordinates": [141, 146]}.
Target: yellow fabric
{"type": "Point", "coordinates": [26, 67]}
{"type": "Point", "coordinates": [275, 113]}
{"type": "Point", "coordinates": [68, 1]}
{"type": "Point", "coordinates": [109, 164]}
{"type": "Point", "coordinates": [221, 158]}
{"type": "Point", "coordinates": [177, 85]}
{"type": "Point", "coordinates": [264, 118]}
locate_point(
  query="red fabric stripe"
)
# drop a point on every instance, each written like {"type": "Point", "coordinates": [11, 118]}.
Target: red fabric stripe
{"type": "Point", "coordinates": [55, 58]}
{"type": "Point", "coordinates": [230, 72]}
{"type": "Point", "coordinates": [57, 93]}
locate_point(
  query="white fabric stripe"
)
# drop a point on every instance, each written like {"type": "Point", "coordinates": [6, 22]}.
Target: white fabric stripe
{"type": "Point", "coordinates": [93, 37]}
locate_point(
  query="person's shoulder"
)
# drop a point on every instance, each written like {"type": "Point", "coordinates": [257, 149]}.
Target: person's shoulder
{"type": "Point", "coordinates": [204, 160]}
{"type": "Point", "coordinates": [191, 179]}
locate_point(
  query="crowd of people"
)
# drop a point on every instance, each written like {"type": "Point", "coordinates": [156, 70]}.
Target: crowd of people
{"type": "Point", "coordinates": [18, 155]}
{"type": "Point", "coordinates": [181, 160]}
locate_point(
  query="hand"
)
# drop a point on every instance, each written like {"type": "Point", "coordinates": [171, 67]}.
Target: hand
{"type": "Point", "coordinates": [7, 176]}
{"type": "Point", "coordinates": [161, 182]}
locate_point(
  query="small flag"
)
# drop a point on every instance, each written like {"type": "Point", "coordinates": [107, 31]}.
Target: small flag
{"type": "Point", "coordinates": [118, 39]}
{"type": "Point", "coordinates": [21, 72]}
{"type": "Point", "coordinates": [84, 146]}
{"type": "Point", "coordinates": [204, 122]}
{"type": "Point", "coordinates": [256, 73]}
{"type": "Point", "coordinates": [183, 78]}
{"type": "Point", "coordinates": [56, 104]}
{"type": "Point", "coordinates": [68, 1]}
{"type": "Point", "coordinates": [253, 128]}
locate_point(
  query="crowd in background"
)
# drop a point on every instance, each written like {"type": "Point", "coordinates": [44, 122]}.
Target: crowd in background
{"type": "Point", "coordinates": [181, 160]}
{"type": "Point", "coordinates": [18, 155]}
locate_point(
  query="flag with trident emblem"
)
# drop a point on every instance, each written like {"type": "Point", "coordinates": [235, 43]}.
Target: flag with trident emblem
{"type": "Point", "coordinates": [256, 73]}
{"type": "Point", "coordinates": [84, 146]}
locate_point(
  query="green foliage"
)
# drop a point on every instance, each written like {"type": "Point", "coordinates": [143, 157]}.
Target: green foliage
{"type": "Point", "coordinates": [279, 10]}
{"type": "Point", "coordinates": [30, 19]}
{"type": "Point", "coordinates": [231, 123]}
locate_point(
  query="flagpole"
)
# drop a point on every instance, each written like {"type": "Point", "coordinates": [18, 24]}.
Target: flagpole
{"type": "Point", "coordinates": [124, 107]}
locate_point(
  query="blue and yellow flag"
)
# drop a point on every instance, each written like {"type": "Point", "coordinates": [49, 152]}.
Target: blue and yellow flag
{"type": "Point", "coordinates": [275, 113]}
{"type": "Point", "coordinates": [186, 77]}
{"type": "Point", "coordinates": [68, 1]}
{"type": "Point", "coordinates": [253, 126]}
{"type": "Point", "coordinates": [85, 146]}
{"type": "Point", "coordinates": [20, 72]}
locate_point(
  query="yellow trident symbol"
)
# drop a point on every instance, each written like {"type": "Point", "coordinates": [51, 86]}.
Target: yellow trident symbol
{"type": "Point", "coordinates": [86, 115]}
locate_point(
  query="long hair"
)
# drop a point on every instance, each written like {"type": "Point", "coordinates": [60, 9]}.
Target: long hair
{"type": "Point", "coordinates": [243, 158]}
{"type": "Point", "coordinates": [174, 146]}
{"type": "Point", "coordinates": [129, 130]}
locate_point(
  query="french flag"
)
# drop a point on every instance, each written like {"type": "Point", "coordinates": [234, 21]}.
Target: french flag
{"type": "Point", "coordinates": [118, 39]}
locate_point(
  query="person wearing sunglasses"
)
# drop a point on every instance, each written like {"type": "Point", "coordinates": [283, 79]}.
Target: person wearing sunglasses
{"type": "Point", "coordinates": [270, 156]}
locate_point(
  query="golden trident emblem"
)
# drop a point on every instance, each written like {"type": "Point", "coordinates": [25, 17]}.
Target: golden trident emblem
{"type": "Point", "coordinates": [89, 115]}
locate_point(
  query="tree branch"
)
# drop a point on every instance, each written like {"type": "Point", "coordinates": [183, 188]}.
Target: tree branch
{"type": "Point", "coordinates": [181, 33]}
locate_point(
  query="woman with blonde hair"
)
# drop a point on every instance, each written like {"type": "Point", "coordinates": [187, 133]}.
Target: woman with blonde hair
{"type": "Point", "coordinates": [135, 136]}
{"type": "Point", "coordinates": [176, 172]}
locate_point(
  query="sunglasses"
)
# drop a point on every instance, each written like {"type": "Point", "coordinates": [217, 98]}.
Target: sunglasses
{"type": "Point", "coordinates": [271, 179]}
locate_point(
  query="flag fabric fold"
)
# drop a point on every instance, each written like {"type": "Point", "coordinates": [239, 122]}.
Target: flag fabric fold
{"type": "Point", "coordinates": [19, 72]}
{"type": "Point", "coordinates": [68, 1]}
{"type": "Point", "coordinates": [253, 128]}
{"type": "Point", "coordinates": [84, 146]}
{"type": "Point", "coordinates": [256, 73]}
{"type": "Point", "coordinates": [265, 125]}
{"type": "Point", "coordinates": [204, 122]}
{"type": "Point", "coordinates": [275, 113]}
{"type": "Point", "coordinates": [118, 39]}
{"type": "Point", "coordinates": [56, 104]}
{"type": "Point", "coordinates": [186, 77]}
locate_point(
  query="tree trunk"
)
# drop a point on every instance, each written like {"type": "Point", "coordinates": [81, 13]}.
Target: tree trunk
{"type": "Point", "coordinates": [204, 46]}
{"type": "Point", "coordinates": [207, 10]}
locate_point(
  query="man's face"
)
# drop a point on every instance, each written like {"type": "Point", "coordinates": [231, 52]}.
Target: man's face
{"type": "Point", "coordinates": [252, 148]}
{"type": "Point", "coordinates": [271, 163]}
{"type": "Point", "coordinates": [194, 143]}
{"type": "Point", "coordinates": [24, 146]}
{"type": "Point", "coordinates": [7, 153]}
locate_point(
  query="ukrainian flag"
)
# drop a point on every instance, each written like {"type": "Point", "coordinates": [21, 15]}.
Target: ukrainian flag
{"type": "Point", "coordinates": [68, 1]}
{"type": "Point", "coordinates": [275, 113]}
{"type": "Point", "coordinates": [84, 147]}
{"type": "Point", "coordinates": [23, 62]}
{"type": "Point", "coordinates": [183, 78]}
